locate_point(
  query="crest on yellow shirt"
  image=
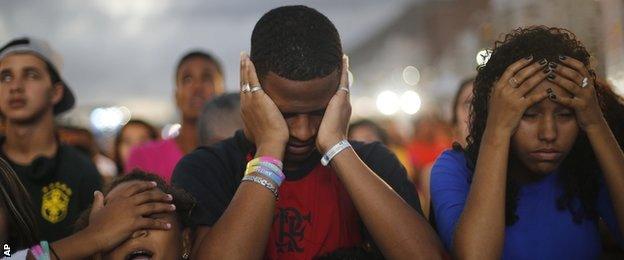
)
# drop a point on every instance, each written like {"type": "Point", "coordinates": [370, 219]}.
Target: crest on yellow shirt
{"type": "Point", "coordinates": [55, 201]}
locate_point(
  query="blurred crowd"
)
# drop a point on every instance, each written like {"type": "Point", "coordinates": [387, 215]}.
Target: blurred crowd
{"type": "Point", "coordinates": [76, 187]}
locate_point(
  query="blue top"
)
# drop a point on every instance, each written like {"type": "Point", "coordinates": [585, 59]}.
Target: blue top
{"type": "Point", "coordinates": [541, 232]}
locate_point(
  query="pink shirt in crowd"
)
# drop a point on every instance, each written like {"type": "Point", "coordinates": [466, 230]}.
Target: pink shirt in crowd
{"type": "Point", "coordinates": [158, 157]}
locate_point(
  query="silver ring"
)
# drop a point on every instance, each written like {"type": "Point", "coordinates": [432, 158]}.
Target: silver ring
{"type": "Point", "coordinates": [255, 88]}
{"type": "Point", "coordinates": [345, 89]}
{"type": "Point", "coordinates": [585, 82]}
{"type": "Point", "coordinates": [245, 88]}
{"type": "Point", "coordinates": [514, 82]}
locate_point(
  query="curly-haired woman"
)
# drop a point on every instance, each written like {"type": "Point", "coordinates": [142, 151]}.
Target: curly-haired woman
{"type": "Point", "coordinates": [542, 164]}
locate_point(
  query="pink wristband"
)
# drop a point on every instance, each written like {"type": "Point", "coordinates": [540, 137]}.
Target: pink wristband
{"type": "Point", "coordinates": [268, 159]}
{"type": "Point", "coordinates": [36, 251]}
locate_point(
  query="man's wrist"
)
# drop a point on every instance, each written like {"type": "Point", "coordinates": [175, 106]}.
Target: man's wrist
{"type": "Point", "coordinates": [273, 149]}
{"type": "Point", "coordinates": [334, 151]}
{"type": "Point", "coordinates": [325, 145]}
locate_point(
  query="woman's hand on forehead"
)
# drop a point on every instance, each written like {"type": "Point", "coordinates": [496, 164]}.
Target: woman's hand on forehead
{"type": "Point", "coordinates": [127, 210]}
{"type": "Point", "coordinates": [573, 76]}
{"type": "Point", "coordinates": [516, 91]}
{"type": "Point", "coordinates": [126, 189]}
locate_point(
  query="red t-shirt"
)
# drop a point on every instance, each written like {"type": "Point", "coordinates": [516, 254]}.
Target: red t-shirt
{"type": "Point", "coordinates": [314, 214]}
{"type": "Point", "coordinates": [305, 226]}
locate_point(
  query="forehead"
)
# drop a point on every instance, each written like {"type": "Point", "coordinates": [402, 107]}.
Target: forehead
{"type": "Point", "coordinates": [135, 127]}
{"type": "Point", "coordinates": [134, 130]}
{"type": "Point", "coordinates": [364, 128]}
{"type": "Point", "coordinates": [292, 96]}
{"type": "Point", "coordinates": [543, 87]}
{"type": "Point", "coordinates": [19, 60]}
{"type": "Point", "coordinates": [197, 64]}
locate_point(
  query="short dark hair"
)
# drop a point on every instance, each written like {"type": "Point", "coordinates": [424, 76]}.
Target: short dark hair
{"type": "Point", "coordinates": [379, 131]}
{"type": "Point", "coordinates": [297, 43]}
{"type": "Point", "coordinates": [219, 115]}
{"type": "Point", "coordinates": [198, 54]}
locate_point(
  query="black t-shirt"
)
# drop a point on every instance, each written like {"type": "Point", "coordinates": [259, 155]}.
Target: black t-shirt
{"type": "Point", "coordinates": [60, 189]}
{"type": "Point", "coordinates": [212, 175]}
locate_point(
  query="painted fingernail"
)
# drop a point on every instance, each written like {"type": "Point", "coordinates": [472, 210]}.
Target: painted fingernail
{"type": "Point", "coordinates": [169, 197]}
{"type": "Point", "coordinates": [542, 62]}
{"type": "Point", "coordinates": [530, 57]}
{"type": "Point", "coordinates": [173, 207]}
{"type": "Point", "coordinates": [552, 96]}
{"type": "Point", "coordinates": [168, 225]}
{"type": "Point", "coordinates": [561, 57]}
{"type": "Point", "coordinates": [552, 65]}
{"type": "Point", "coordinates": [549, 90]}
{"type": "Point", "coordinates": [153, 183]}
{"type": "Point", "coordinates": [551, 76]}
{"type": "Point", "coordinates": [546, 70]}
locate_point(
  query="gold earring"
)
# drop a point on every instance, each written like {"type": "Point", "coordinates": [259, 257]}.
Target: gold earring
{"type": "Point", "coordinates": [185, 255]}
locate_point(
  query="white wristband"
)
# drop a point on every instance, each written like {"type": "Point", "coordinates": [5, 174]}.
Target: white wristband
{"type": "Point", "coordinates": [337, 148]}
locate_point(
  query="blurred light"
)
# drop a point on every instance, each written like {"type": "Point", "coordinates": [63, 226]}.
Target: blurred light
{"type": "Point", "coordinates": [617, 82]}
{"type": "Point", "coordinates": [170, 131]}
{"type": "Point", "coordinates": [483, 56]}
{"type": "Point", "coordinates": [362, 106]}
{"type": "Point", "coordinates": [411, 75]}
{"type": "Point", "coordinates": [388, 102]}
{"type": "Point", "coordinates": [126, 114]}
{"type": "Point", "coordinates": [410, 102]}
{"type": "Point", "coordinates": [108, 119]}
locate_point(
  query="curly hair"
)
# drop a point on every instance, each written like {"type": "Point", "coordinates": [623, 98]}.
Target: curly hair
{"type": "Point", "coordinates": [580, 170]}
